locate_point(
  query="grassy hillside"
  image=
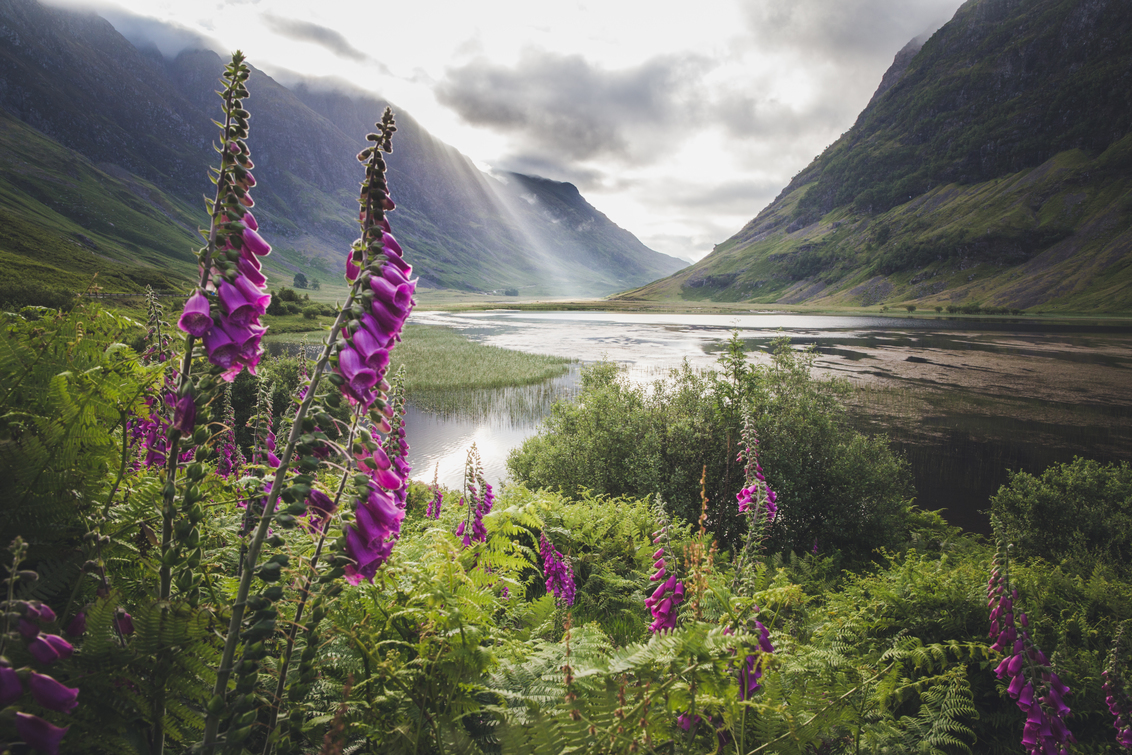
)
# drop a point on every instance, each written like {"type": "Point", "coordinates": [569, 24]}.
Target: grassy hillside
{"type": "Point", "coordinates": [993, 168]}
{"type": "Point", "coordinates": [63, 220]}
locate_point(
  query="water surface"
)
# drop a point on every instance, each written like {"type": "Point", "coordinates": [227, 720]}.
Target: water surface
{"type": "Point", "coordinates": [965, 400]}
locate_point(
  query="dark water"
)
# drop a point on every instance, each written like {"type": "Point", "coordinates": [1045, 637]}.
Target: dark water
{"type": "Point", "coordinates": [1001, 394]}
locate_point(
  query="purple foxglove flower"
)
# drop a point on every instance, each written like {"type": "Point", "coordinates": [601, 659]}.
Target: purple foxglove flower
{"type": "Point", "coordinates": [352, 270]}
{"type": "Point", "coordinates": [260, 298]}
{"type": "Point", "coordinates": [222, 350]}
{"type": "Point", "coordinates": [185, 415]}
{"type": "Point", "coordinates": [247, 339]}
{"type": "Point", "coordinates": [377, 460]}
{"type": "Point", "coordinates": [254, 243]}
{"type": "Point", "coordinates": [393, 275]}
{"type": "Point", "coordinates": [383, 336]}
{"type": "Point", "coordinates": [41, 612]}
{"type": "Point", "coordinates": [27, 629]}
{"type": "Point", "coordinates": [659, 575]}
{"type": "Point", "coordinates": [241, 310]}
{"type": "Point", "coordinates": [250, 221]}
{"type": "Point", "coordinates": [10, 686]}
{"type": "Point", "coordinates": [388, 320]}
{"type": "Point", "coordinates": [400, 297]}
{"type": "Point", "coordinates": [360, 377]}
{"type": "Point", "coordinates": [77, 625]}
{"type": "Point", "coordinates": [39, 734]}
{"type": "Point", "coordinates": [48, 648]}
{"type": "Point", "coordinates": [53, 695]}
{"type": "Point", "coordinates": [388, 479]}
{"type": "Point", "coordinates": [389, 244]}
{"type": "Point", "coordinates": [249, 268]}
{"type": "Point", "coordinates": [382, 512]}
{"type": "Point", "coordinates": [124, 622]}
{"type": "Point", "coordinates": [372, 353]}
{"type": "Point", "coordinates": [368, 557]}
{"type": "Point", "coordinates": [195, 319]}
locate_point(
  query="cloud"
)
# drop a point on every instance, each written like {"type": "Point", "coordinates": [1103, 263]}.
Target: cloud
{"type": "Point", "coordinates": [565, 105]}
{"type": "Point", "coordinates": [537, 165]}
{"type": "Point", "coordinates": [169, 38]}
{"type": "Point", "coordinates": [323, 36]}
{"type": "Point", "coordinates": [844, 29]}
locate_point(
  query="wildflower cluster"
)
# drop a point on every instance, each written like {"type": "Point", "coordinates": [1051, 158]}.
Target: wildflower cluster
{"type": "Point", "coordinates": [374, 321]}
{"type": "Point", "coordinates": [150, 431]}
{"type": "Point", "coordinates": [45, 649]}
{"type": "Point", "coordinates": [1037, 689]}
{"type": "Point", "coordinates": [756, 495]}
{"type": "Point", "coordinates": [230, 460]}
{"type": "Point", "coordinates": [225, 309]}
{"type": "Point", "coordinates": [670, 593]}
{"type": "Point", "coordinates": [436, 496]}
{"type": "Point", "coordinates": [752, 669]}
{"type": "Point", "coordinates": [558, 572]}
{"type": "Point", "coordinates": [479, 498]}
{"type": "Point", "coordinates": [757, 502]}
{"type": "Point", "coordinates": [386, 294]}
{"type": "Point", "coordinates": [1117, 698]}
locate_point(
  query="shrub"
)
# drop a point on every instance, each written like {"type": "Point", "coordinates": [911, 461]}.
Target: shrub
{"type": "Point", "coordinates": [1077, 514]}
{"type": "Point", "coordinates": [839, 488]}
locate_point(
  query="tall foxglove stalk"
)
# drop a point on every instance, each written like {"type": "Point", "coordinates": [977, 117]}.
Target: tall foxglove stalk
{"type": "Point", "coordinates": [478, 497]}
{"type": "Point", "coordinates": [230, 237]}
{"type": "Point", "coordinates": [669, 593]}
{"type": "Point", "coordinates": [371, 257]}
{"type": "Point", "coordinates": [1033, 683]}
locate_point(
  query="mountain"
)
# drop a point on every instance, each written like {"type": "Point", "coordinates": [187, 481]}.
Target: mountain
{"type": "Point", "coordinates": [129, 131]}
{"type": "Point", "coordinates": [992, 167]}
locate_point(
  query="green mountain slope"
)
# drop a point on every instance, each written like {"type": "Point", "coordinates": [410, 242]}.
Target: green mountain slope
{"type": "Point", "coordinates": [147, 121]}
{"type": "Point", "coordinates": [64, 219]}
{"type": "Point", "coordinates": [992, 166]}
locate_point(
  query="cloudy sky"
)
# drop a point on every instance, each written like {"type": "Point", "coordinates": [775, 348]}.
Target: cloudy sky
{"type": "Point", "coordinates": [678, 120]}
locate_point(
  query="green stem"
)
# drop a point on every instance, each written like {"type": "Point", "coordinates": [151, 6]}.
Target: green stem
{"type": "Point", "coordinates": [212, 722]}
{"type": "Point", "coordinates": [173, 450]}
{"type": "Point", "coordinates": [292, 634]}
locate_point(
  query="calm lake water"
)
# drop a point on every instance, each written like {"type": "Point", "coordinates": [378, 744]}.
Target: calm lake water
{"type": "Point", "coordinates": [965, 400]}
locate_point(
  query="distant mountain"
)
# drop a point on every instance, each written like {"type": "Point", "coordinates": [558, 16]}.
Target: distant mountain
{"type": "Point", "coordinates": [992, 166]}
{"type": "Point", "coordinates": [143, 123]}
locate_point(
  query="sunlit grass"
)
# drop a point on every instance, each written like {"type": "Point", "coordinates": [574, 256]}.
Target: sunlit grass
{"type": "Point", "coordinates": [437, 358]}
{"type": "Point", "coordinates": [447, 374]}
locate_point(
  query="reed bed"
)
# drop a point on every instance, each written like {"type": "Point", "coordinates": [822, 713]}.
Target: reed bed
{"type": "Point", "coordinates": [441, 359]}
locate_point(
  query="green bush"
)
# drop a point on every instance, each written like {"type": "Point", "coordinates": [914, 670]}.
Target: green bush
{"type": "Point", "coordinates": [1077, 514]}
{"type": "Point", "coordinates": [847, 492]}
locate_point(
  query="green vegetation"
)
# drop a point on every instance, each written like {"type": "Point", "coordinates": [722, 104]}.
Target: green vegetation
{"type": "Point", "coordinates": [458, 647]}
{"type": "Point", "coordinates": [1077, 514]}
{"type": "Point", "coordinates": [848, 493]}
{"type": "Point", "coordinates": [64, 221]}
{"type": "Point", "coordinates": [441, 359]}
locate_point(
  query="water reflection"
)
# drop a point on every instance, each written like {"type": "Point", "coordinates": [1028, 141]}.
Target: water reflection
{"type": "Point", "coordinates": [986, 395]}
